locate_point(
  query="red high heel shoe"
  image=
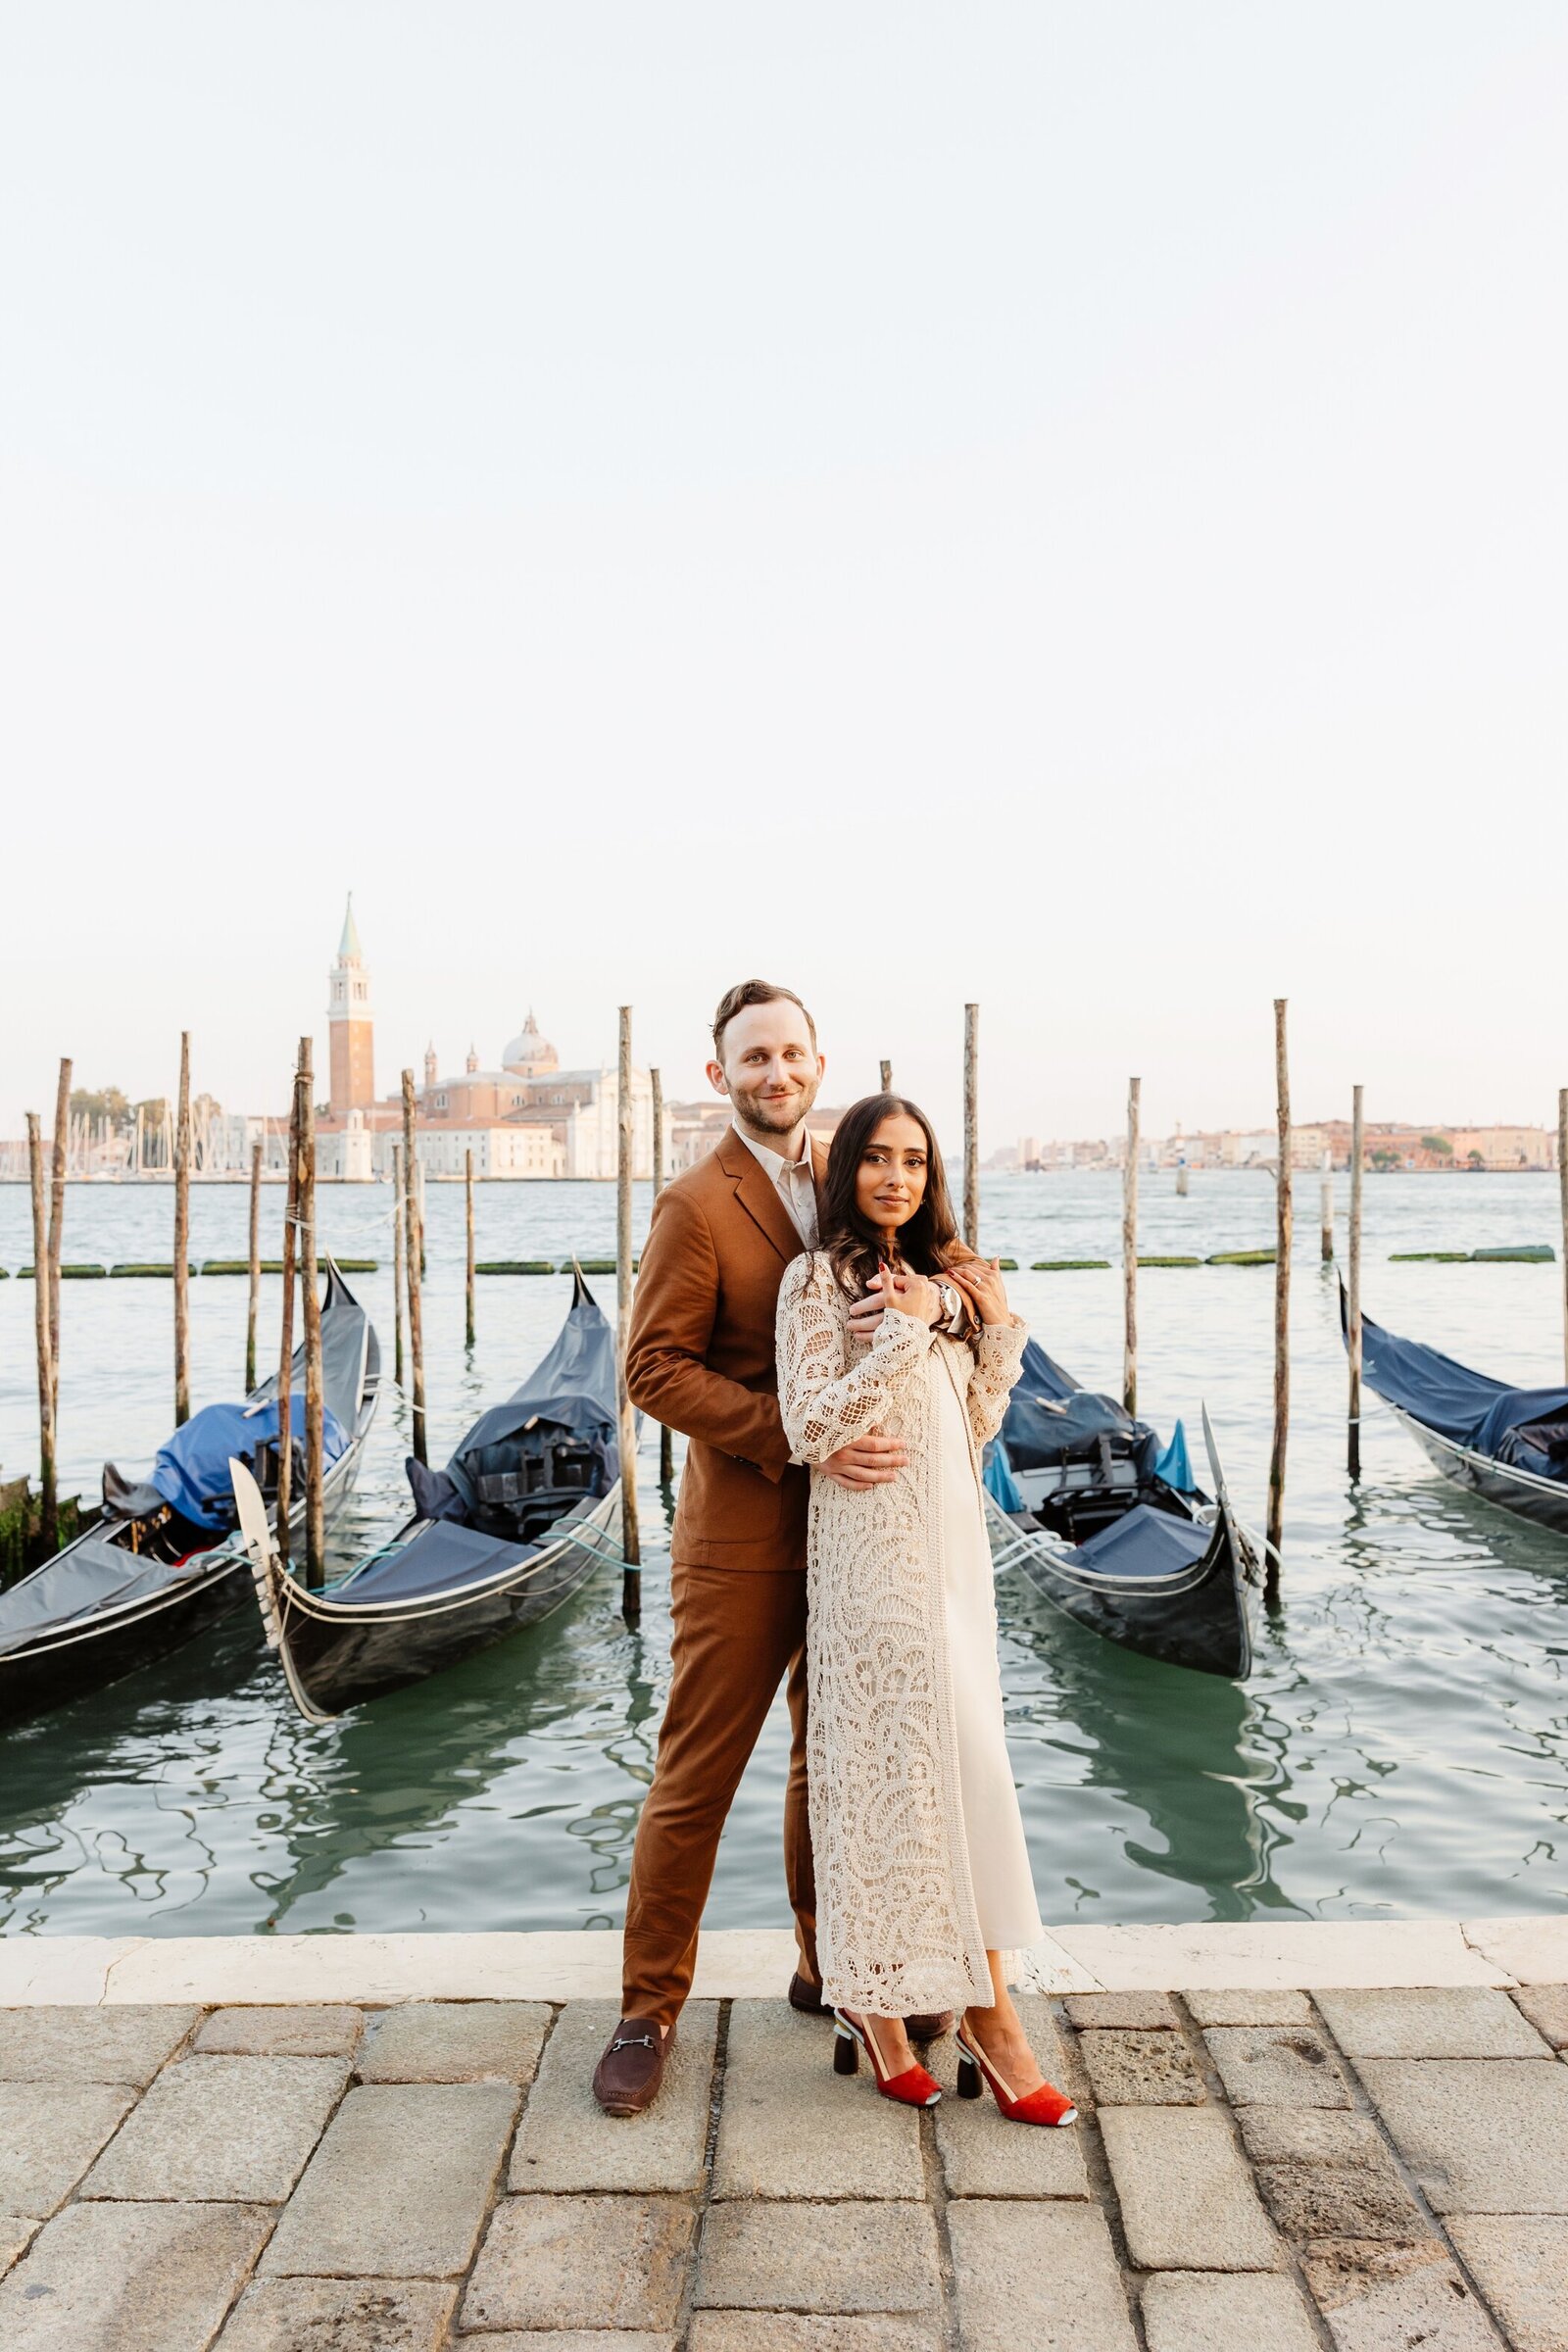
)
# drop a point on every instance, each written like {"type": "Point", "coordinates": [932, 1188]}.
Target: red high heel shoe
{"type": "Point", "coordinates": [915, 2087]}
{"type": "Point", "coordinates": [1044, 2105]}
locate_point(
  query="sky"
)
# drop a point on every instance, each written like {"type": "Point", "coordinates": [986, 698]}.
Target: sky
{"type": "Point", "coordinates": [1059, 506]}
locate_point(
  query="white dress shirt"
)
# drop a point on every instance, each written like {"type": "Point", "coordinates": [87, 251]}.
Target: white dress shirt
{"type": "Point", "coordinates": [792, 1180]}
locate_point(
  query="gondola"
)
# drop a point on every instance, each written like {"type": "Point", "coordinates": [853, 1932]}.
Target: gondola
{"type": "Point", "coordinates": [1508, 1445]}
{"type": "Point", "coordinates": [526, 1510]}
{"type": "Point", "coordinates": [1110, 1527]}
{"type": "Point", "coordinates": [160, 1561]}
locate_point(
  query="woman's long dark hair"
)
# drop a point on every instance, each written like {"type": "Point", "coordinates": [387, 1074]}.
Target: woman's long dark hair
{"type": "Point", "coordinates": [930, 1241]}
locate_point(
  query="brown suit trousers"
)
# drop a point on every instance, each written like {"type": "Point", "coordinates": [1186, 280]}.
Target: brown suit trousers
{"type": "Point", "coordinates": [701, 1360]}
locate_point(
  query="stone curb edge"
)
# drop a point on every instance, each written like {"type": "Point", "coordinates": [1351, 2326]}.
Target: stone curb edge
{"type": "Point", "coordinates": [756, 1963]}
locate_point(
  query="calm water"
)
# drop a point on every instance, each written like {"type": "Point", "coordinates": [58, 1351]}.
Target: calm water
{"type": "Point", "coordinates": [1400, 1750]}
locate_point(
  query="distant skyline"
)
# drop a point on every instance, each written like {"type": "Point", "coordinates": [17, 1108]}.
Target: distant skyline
{"type": "Point", "coordinates": [1055, 506]}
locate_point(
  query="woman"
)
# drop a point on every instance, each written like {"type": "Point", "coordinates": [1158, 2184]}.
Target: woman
{"type": "Point", "coordinates": [922, 1874]}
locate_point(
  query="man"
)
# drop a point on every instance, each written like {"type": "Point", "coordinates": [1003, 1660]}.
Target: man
{"type": "Point", "coordinates": [701, 1361]}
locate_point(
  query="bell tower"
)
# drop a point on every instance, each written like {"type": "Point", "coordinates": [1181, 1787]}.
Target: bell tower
{"type": "Point", "coordinates": [350, 1027]}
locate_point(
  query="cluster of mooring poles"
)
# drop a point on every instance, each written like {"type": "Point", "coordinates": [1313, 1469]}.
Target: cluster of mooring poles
{"type": "Point", "coordinates": [299, 1251]}
{"type": "Point", "coordinates": [49, 1164]}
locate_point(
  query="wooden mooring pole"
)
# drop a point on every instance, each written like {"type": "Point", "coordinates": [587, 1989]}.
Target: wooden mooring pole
{"type": "Point", "coordinates": [183, 1239]}
{"type": "Point", "coordinates": [400, 1219]}
{"type": "Point", "coordinates": [631, 1582]}
{"type": "Point", "coordinates": [311, 1299]}
{"type": "Point", "coordinates": [468, 1182]}
{"type": "Point", "coordinates": [666, 1442]}
{"type": "Point", "coordinates": [1282, 1305]}
{"type": "Point", "coordinates": [48, 1501]}
{"type": "Point", "coordinates": [254, 1300]}
{"type": "Point", "coordinates": [887, 1077]}
{"type": "Point", "coordinates": [57, 1217]}
{"type": "Point", "coordinates": [1562, 1186]}
{"type": "Point", "coordinates": [1129, 1250]}
{"type": "Point", "coordinates": [1353, 1301]}
{"type": "Point", "coordinates": [1325, 1206]}
{"type": "Point", "coordinates": [971, 1125]}
{"type": "Point", "coordinates": [413, 1261]}
{"type": "Point", "coordinates": [285, 1370]}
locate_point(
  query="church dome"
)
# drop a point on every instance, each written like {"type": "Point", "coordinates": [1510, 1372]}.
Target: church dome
{"type": "Point", "coordinates": [528, 1053]}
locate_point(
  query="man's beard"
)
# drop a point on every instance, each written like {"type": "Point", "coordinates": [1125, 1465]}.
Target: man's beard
{"type": "Point", "coordinates": [770, 1120]}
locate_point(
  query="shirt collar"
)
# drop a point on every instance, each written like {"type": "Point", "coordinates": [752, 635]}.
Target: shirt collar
{"type": "Point", "coordinates": [774, 1163]}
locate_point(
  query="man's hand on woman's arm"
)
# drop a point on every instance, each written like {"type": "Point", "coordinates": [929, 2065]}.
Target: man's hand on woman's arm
{"type": "Point", "coordinates": [870, 1461]}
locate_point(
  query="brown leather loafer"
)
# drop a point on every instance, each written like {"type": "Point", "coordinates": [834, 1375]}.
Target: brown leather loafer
{"type": "Point", "coordinates": [806, 1997]}
{"type": "Point", "coordinates": [627, 2077]}
{"type": "Point", "coordinates": [929, 2027]}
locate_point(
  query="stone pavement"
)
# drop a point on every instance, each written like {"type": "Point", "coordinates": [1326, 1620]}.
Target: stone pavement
{"type": "Point", "coordinates": [1257, 2170]}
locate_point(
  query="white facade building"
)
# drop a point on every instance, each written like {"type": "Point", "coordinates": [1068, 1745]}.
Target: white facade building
{"type": "Point", "coordinates": [498, 1151]}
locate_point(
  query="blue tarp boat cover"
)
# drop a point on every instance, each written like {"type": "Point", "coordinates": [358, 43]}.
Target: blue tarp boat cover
{"type": "Point", "coordinates": [1175, 1464]}
{"type": "Point", "coordinates": [1525, 1428]}
{"type": "Point", "coordinates": [999, 1483]}
{"type": "Point", "coordinates": [1051, 1419]}
{"type": "Point", "coordinates": [573, 1388]}
{"type": "Point", "coordinates": [191, 1471]}
{"type": "Point", "coordinates": [441, 1557]}
{"type": "Point", "coordinates": [1143, 1541]}
{"type": "Point", "coordinates": [92, 1575]}
{"type": "Point", "coordinates": [348, 1350]}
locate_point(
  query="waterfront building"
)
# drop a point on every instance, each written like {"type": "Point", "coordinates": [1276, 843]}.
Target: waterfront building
{"type": "Point", "coordinates": [1503, 1148]}
{"type": "Point", "coordinates": [527, 1118]}
{"type": "Point", "coordinates": [534, 1118]}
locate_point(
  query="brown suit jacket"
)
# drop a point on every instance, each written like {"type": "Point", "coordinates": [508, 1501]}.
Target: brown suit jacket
{"type": "Point", "coordinates": [700, 1358]}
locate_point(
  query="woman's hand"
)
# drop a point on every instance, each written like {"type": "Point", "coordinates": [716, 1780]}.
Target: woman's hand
{"type": "Point", "coordinates": [910, 1294]}
{"type": "Point", "coordinates": [980, 1281]}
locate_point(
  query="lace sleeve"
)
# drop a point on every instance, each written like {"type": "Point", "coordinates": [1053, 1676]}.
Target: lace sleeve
{"type": "Point", "coordinates": [824, 1405]}
{"type": "Point", "coordinates": [999, 1360]}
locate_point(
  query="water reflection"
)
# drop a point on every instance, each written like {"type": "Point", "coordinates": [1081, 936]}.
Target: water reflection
{"type": "Point", "coordinates": [52, 1829]}
{"type": "Point", "coordinates": [566, 1715]}
{"type": "Point", "coordinates": [1193, 1756]}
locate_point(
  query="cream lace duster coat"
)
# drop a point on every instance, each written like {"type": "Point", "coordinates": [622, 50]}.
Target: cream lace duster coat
{"type": "Point", "coordinates": [897, 1930]}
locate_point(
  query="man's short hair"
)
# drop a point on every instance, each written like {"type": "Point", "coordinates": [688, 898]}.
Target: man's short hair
{"type": "Point", "coordinates": [753, 992]}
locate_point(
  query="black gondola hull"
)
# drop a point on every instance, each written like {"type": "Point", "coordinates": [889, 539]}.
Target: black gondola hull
{"type": "Point", "coordinates": [1199, 1619]}
{"type": "Point", "coordinates": [1420, 1387]}
{"type": "Point", "coordinates": [71, 1662]}
{"type": "Point", "coordinates": [33, 1681]}
{"type": "Point", "coordinates": [74, 1657]}
{"type": "Point", "coordinates": [1540, 1501]}
{"type": "Point", "coordinates": [337, 1658]}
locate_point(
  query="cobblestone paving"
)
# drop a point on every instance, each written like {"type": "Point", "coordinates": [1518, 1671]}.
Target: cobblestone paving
{"type": "Point", "coordinates": [1268, 2171]}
